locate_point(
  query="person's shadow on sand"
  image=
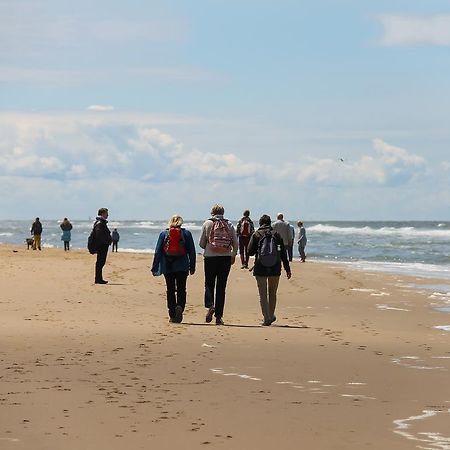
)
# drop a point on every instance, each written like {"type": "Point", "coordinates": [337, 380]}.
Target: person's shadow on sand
{"type": "Point", "coordinates": [244, 326]}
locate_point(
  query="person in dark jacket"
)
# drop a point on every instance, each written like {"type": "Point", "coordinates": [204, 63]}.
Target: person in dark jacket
{"type": "Point", "coordinates": [66, 228]}
{"type": "Point", "coordinates": [36, 231]}
{"type": "Point", "coordinates": [102, 238]}
{"type": "Point", "coordinates": [176, 266]}
{"type": "Point", "coordinates": [244, 231]}
{"type": "Point", "coordinates": [267, 278]}
{"type": "Point", "coordinates": [115, 237]}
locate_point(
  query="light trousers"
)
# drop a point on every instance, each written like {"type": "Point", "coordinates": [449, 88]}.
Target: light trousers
{"type": "Point", "coordinates": [267, 287]}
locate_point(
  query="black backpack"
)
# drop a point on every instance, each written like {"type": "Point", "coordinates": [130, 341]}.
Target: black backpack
{"type": "Point", "coordinates": [91, 244]}
{"type": "Point", "coordinates": [268, 254]}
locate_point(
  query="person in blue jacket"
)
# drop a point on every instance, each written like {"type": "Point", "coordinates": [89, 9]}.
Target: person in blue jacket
{"type": "Point", "coordinates": [175, 259]}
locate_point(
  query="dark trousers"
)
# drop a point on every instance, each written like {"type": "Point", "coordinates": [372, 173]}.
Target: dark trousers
{"type": "Point", "coordinates": [289, 249]}
{"type": "Point", "coordinates": [301, 251]}
{"type": "Point", "coordinates": [101, 260]}
{"type": "Point", "coordinates": [243, 249]}
{"type": "Point", "coordinates": [114, 245]}
{"type": "Point", "coordinates": [176, 291]}
{"type": "Point", "coordinates": [217, 269]}
{"type": "Point", "coordinates": [66, 245]}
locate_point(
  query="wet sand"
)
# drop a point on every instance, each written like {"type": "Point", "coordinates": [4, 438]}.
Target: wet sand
{"type": "Point", "coordinates": [353, 361]}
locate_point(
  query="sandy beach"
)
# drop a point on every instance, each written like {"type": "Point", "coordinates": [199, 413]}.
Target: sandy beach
{"type": "Point", "coordinates": [354, 360]}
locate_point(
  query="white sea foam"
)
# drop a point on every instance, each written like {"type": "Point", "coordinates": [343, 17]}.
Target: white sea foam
{"type": "Point", "coordinates": [6, 234]}
{"type": "Point", "coordinates": [443, 327]}
{"type": "Point", "coordinates": [432, 440]}
{"type": "Point", "coordinates": [406, 232]}
{"type": "Point", "coordinates": [386, 307]}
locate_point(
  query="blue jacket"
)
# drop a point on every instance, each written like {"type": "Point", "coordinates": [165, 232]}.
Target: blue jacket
{"type": "Point", "coordinates": [185, 263]}
{"type": "Point", "coordinates": [66, 235]}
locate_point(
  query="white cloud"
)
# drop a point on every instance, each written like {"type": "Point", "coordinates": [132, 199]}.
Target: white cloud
{"type": "Point", "coordinates": [100, 108]}
{"type": "Point", "coordinates": [64, 77]}
{"type": "Point", "coordinates": [404, 30]}
{"type": "Point", "coordinates": [390, 166]}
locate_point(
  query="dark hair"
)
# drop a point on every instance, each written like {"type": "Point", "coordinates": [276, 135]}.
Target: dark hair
{"type": "Point", "coordinates": [101, 211]}
{"type": "Point", "coordinates": [299, 223]}
{"type": "Point", "coordinates": [246, 213]}
{"type": "Point", "coordinates": [37, 218]}
{"type": "Point", "coordinates": [264, 220]}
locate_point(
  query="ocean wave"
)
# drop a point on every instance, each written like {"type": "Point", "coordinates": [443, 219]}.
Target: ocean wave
{"type": "Point", "coordinates": [412, 269]}
{"type": "Point", "coordinates": [6, 234]}
{"type": "Point", "coordinates": [383, 231]}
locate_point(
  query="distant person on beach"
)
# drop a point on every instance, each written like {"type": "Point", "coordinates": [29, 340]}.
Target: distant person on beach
{"type": "Point", "coordinates": [268, 247]}
{"type": "Point", "coordinates": [219, 241]}
{"type": "Point", "coordinates": [66, 228]}
{"type": "Point", "coordinates": [244, 230]}
{"type": "Point", "coordinates": [290, 247]}
{"type": "Point", "coordinates": [282, 228]}
{"type": "Point", "coordinates": [36, 231]}
{"type": "Point", "coordinates": [115, 237]}
{"type": "Point", "coordinates": [102, 240]}
{"type": "Point", "coordinates": [175, 259]}
{"type": "Point", "coordinates": [301, 240]}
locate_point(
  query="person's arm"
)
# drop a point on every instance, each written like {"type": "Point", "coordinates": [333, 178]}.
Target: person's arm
{"type": "Point", "coordinates": [284, 259]}
{"type": "Point", "coordinates": [158, 253]}
{"type": "Point", "coordinates": [190, 247]}
{"type": "Point", "coordinates": [238, 227]}
{"type": "Point", "coordinates": [203, 238]}
{"type": "Point", "coordinates": [252, 245]}
{"type": "Point", "coordinates": [235, 241]}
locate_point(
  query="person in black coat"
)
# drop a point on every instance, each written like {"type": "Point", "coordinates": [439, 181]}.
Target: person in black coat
{"type": "Point", "coordinates": [268, 276]}
{"type": "Point", "coordinates": [102, 237]}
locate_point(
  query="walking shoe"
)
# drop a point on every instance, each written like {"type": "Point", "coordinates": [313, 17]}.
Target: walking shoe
{"type": "Point", "coordinates": [272, 320]}
{"type": "Point", "coordinates": [178, 314]}
{"type": "Point", "coordinates": [101, 282]}
{"type": "Point", "coordinates": [172, 320]}
{"type": "Point", "coordinates": [266, 323]}
{"type": "Point", "coordinates": [219, 321]}
{"type": "Point", "coordinates": [209, 314]}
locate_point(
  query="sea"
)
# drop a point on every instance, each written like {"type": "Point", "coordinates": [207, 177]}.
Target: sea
{"type": "Point", "coordinates": [410, 248]}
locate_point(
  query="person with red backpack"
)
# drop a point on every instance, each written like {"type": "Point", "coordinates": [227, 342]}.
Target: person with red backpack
{"type": "Point", "coordinates": [268, 247]}
{"type": "Point", "coordinates": [175, 259]}
{"type": "Point", "coordinates": [219, 241]}
{"type": "Point", "coordinates": [244, 231]}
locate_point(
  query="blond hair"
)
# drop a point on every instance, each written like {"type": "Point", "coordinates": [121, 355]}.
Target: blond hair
{"type": "Point", "coordinates": [175, 221]}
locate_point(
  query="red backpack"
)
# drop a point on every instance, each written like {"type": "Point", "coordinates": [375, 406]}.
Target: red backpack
{"type": "Point", "coordinates": [174, 242]}
{"type": "Point", "coordinates": [245, 230]}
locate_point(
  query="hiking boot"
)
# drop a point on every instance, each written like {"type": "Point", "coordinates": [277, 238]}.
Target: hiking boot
{"type": "Point", "coordinates": [209, 314]}
{"type": "Point", "coordinates": [178, 314]}
{"type": "Point", "coordinates": [219, 321]}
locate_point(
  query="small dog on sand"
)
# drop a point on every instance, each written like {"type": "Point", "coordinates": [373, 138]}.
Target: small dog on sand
{"type": "Point", "coordinates": [29, 242]}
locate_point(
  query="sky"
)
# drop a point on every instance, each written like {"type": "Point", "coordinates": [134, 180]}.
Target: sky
{"type": "Point", "coordinates": [324, 110]}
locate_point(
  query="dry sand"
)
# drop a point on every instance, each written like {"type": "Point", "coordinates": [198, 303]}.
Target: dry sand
{"type": "Point", "coordinates": [353, 362]}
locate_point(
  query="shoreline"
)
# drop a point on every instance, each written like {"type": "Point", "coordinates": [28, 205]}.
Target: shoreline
{"type": "Point", "coordinates": [353, 360]}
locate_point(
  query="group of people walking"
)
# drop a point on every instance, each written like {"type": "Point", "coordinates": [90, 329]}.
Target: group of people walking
{"type": "Point", "coordinates": [175, 258]}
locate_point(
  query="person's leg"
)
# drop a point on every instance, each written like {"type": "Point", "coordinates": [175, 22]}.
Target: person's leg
{"type": "Point", "coordinates": [242, 250]}
{"type": "Point", "coordinates": [290, 251]}
{"type": "Point", "coordinates": [245, 242]}
{"type": "Point", "coordinates": [181, 278]}
{"type": "Point", "coordinates": [223, 270]}
{"type": "Point", "coordinates": [101, 260]}
{"type": "Point", "coordinates": [262, 289]}
{"type": "Point", "coordinates": [171, 299]}
{"type": "Point", "coordinates": [210, 280]}
{"type": "Point", "coordinates": [34, 241]}
{"type": "Point", "coordinates": [37, 240]}
{"type": "Point", "coordinates": [301, 250]}
{"type": "Point", "coordinates": [273, 287]}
